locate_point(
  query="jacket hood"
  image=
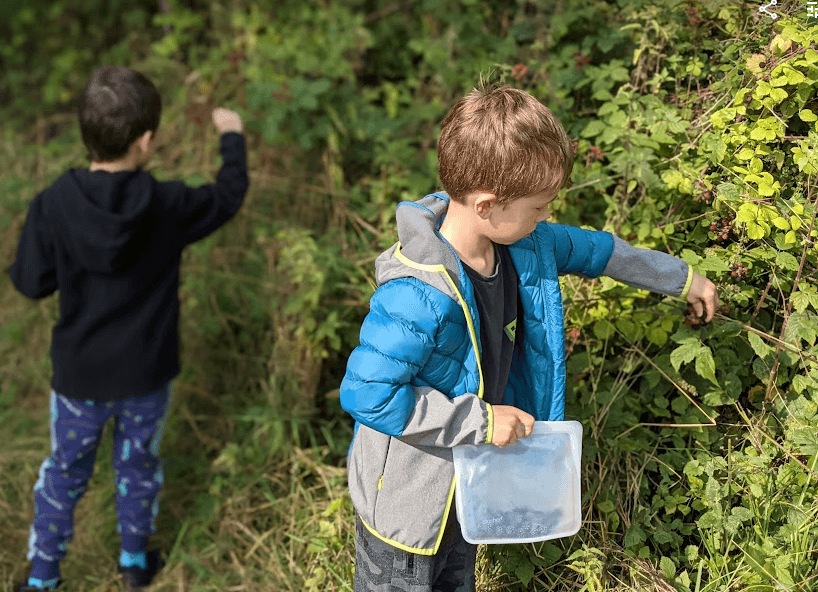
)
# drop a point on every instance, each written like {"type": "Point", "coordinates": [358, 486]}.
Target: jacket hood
{"type": "Point", "coordinates": [104, 213]}
{"type": "Point", "coordinates": [420, 243]}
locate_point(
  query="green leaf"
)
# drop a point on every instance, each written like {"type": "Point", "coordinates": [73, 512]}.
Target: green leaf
{"type": "Point", "coordinates": [635, 536]}
{"type": "Point", "coordinates": [781, 223]}
{"type": "Point", "coordinates": [692, 349]}
{"type": "Point", "coordinates": [754, 231]}
{"type": "Point", "coordinates": [656, 335]}
{"type": "Point", "coordinates": [786, 261]}
{"type": "Point", "coordinates": [685, 353]}
{"type": "Point", "coordinates": [802, 326]}
{"type": "Point", "coordinates": [705, 365]}
{"type": "Point", "coordinates": [594, 128]}
{"type": "Point", "coordinates": [667, 566]}
{"type": "Point", "coordinates": [806, 296]}
{"type": "Point", "coordinates": [794, 77]}
{"type": "Point", "coordinates": [766, 189]}
{"type": "Point", "coordinates": [525, 572]}
{"type": "Point", "coordinates": [778, 95]}
{"type": "Point", "coordinates": [758, 561]}
{"type": "Point", "coordinates": [714, 264]}
{"type": "Point", "coordinates": [745, 153]}
{"type": "Point", "coordinates": [747, 213]}
{"type": "Point", "coordinates": [800, 383]}
{"type": "Point", "coordinates": [807, 115]}
{"type": "Point", "coordinates": [603, 329]}
{"type": "Point", "coordinates": [759, 346]}
{"type": "Point", "coordinates": [737, 516]}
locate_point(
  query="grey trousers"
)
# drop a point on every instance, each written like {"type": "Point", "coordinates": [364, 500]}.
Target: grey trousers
{"type": "Point", "coordinates": [380, 567]}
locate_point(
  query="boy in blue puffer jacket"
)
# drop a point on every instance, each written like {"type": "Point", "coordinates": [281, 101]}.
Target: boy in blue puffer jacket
{"type": "Point", "coordinates": [464, 341]}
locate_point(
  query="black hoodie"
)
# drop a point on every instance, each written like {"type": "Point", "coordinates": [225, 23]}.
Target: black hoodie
{"type": "Point", "coordinates": [111, 243]}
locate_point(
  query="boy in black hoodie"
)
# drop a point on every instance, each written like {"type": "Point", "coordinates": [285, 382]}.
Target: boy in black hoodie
{"type": "Point", "coordinates": [110, 239]}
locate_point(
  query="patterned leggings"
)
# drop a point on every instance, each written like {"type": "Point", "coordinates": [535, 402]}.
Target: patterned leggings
{"type": "Point", "coordinates": [76, 428]}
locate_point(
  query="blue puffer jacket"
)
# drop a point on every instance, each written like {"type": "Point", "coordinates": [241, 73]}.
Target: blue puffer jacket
{"type": "Point", "coordinates": [414, 384]}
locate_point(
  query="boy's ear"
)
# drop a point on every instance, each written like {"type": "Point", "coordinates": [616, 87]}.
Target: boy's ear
{"type": "Point", "coordinates": [143, 142]}
{"type": "Point", "coordinates": [483, 203]}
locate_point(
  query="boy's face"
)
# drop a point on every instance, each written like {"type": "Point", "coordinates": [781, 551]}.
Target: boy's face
{"type": "Point", "coordinates": [508, 223]}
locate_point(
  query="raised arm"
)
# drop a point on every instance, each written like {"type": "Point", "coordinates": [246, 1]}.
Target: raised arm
{"type": "Point", "coordinates": [204, 209]}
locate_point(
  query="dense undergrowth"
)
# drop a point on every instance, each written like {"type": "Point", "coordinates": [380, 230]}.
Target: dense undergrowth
{"type": "Point", "coordinates": [696, 134]}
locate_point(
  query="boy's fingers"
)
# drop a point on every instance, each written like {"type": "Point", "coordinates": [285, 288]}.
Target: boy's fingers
{"type": "Point", "coordinates": [528, 423]}
{"type": "Point", "coordinates": [710, 310]}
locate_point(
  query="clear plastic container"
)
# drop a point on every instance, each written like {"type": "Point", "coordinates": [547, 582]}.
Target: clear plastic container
{"type": "Point", "coordinates": [523, 493]}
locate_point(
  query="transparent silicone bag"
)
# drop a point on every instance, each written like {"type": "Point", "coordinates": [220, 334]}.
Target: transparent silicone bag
{"type": "Point", "coordinates": [523, 493]}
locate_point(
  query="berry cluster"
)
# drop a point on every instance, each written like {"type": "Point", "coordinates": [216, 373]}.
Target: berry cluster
{"type": "Point", "coordinates": [581, 60]}
{"type": "Point", "coordinates": [738, 272]}
{"type": "Point", "coordinates": [704, 194]}
{"type": "Point", "coordinates": [692, 319]}
{"type": "Point", "coordinates": [696, 322]}
{"type": "Point", "coordinates": [692, 16]}
{"type": "Point", "coordinates": [522, 74]}
{"type": "Point", "coordinates": [594, 154]}
{"type": "Point", "coordinates": [722, 229]}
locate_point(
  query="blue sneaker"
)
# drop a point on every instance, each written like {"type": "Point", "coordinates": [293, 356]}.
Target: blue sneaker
{"type": "Point", "coordinates": [24, 587]}
{"type": "Point", "coordinates": [136, 578]}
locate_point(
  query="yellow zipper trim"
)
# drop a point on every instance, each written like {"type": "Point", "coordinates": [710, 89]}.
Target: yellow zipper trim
{"type": "Point", "coordinates": [396, 544]}
{"type": "Point", "coordinates": [380, 483]}
{"type": "Point", "coordinates": [462, 301]}
{"type": "Point", "coordinates": [490, 430]}
{"type": "Point", "coordinates": [440, 268]}
{"type": "Point", "coordinates": [418, 550]}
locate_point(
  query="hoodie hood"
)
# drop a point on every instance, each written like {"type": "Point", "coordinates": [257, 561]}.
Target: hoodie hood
{"type": "Point", "coordinates": [104, 214]}
{"type": "Point", "coordinates": [420, 241]}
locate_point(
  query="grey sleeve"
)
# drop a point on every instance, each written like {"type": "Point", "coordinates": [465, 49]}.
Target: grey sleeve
{"type": "Point", "coordinates": [647, 269]}
{"type": "Point", "coordinates": [438, 420]}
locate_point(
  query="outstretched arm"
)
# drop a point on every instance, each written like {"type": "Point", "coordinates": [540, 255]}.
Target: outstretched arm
{"type": "Point", "coordinates": [659, 272]}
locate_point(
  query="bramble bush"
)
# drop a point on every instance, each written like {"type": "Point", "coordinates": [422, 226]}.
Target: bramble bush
{"type": "Point", "coordinates": [696, 134]}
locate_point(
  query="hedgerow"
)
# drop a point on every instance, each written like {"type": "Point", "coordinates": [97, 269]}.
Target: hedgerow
{"type": "Point", "coordinates": [696, 134]}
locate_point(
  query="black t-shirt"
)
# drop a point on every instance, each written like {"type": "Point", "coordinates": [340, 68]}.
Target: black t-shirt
{"type": "Point", "coordinates": [496, 298]}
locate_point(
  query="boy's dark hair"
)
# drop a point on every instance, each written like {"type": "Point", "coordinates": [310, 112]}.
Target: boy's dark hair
{"type": "Point", "coordinates": [117, 106]}
{"type": "Point", "coordinates": [503, 141]}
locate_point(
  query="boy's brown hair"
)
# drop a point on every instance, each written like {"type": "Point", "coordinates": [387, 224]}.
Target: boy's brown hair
{"type": "Point", "coordinates": [117, 106]}
{"type": "Point", "coordinates": [503, 141]}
